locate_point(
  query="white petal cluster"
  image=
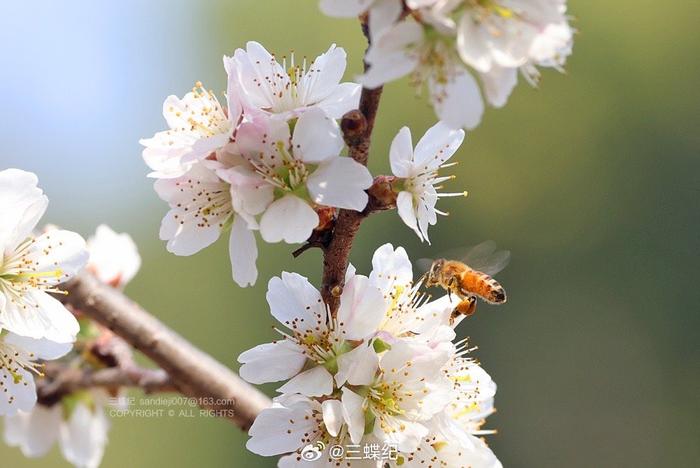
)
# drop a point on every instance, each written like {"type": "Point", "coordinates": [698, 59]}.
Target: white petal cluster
{"type": "Point", "coordinates": [383, 370]}
{"type": "Point", "coordinates": [34, 326]}
{"type": "Point", "coordinates": [449, 46]}
{"type": "Point", "coordinates": [31, 267]}
{"type": "Point", "coordinates": [79, 424]}
{"type": "Point", "coordinates": [265, 162]}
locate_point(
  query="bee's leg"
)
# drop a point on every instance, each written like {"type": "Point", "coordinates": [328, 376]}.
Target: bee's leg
{"type": "Point", "coordinates": [467, 307]}
{"type": "Point", "coordinates": [452, 287]}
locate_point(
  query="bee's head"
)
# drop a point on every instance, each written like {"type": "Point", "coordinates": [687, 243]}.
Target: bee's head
{"type": "Point", "coordinates": [435, 272]}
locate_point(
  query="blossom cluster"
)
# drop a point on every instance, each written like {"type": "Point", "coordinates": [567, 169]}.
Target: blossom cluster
{"type": "Point", "coordinates": [383, 370]}
{"type": "Point", "coordinates": [270, 160]}
{"type": "Point", "coordinates": [449, 46]}
{"type": "Point", "coordinates": [35, 327]}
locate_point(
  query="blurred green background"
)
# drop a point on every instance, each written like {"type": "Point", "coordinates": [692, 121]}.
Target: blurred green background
{"type": "Point", "coordinates": [592, 181]}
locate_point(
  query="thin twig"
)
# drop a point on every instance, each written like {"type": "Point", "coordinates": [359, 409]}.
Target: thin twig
{"type": "Point", "coordinates": [115, 368]}
{"type": "Point", "coordinates": [61, 380]}
{"type": "Point", "coordinates": [192, 372]}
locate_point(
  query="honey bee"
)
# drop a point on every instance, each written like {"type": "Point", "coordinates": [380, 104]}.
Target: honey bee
{"type": "Point", "coordinates": [471, 278]}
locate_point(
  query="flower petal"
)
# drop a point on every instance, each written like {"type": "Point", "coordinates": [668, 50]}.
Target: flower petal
{"type": "Point", "coordinates": [354, 414]}
{"type": "Point", "coordinates": [438, 145]}
{"type": "Point", "coordinates": [255, 65]}
{"type": "Point", "coordinates": [200, 205]}
{"type": "Point", "coordinates": [332, 416]}
{"type": "Point", "coordinates": [383, 14]}
{"type": "Point", "coordinates": [390, 56]}
{"type": "Point", "coordinates": [340, 182]}
{"type": "Point", "coordinates": [344, 98]}
{"type": "Point", "coordinates": [289, 219]}
{"type": "Point", "coordinates": [344, 8]}
{"type": "Point", "coordinates": [391, 267]}
{"type": "Point", "coordinates": [271, 362]}
{"type": "Point", "coordinates": [83, 438]}
{"type": "Point", "coordinates": [316, 381]}
{"type": "Point", "coordinates": [57, 256]}
{"type": "Point", "coordinates": [316, 137]}
{"type": "Point", "coordinates": [404, 205]}
{"type": "Point", "coordinates": [39, 315]}
{"type": "Point", "coordinates": [498, 84]}
{"type": "Point", "coordinates": [279, 429]}
{"type": "Point", "coordinates": [34, 432]}
{"type": "Point", "coordinates": [324, 75]}
{"type": "Point", "coordinates": [41, 348]}
{"type": "Point", "coordinates": [22, 204]}
{"type": "Point", "coordinates": [295, 302]}
{"type": "Point", "coordinates": [472, 44]}
{"type": "Point", "coordinates": [362, 309]}
{"type": "Point", "coordinates": [243, 252]}
{"type": "Point", "coordinates": [458, 102]}
{"type": "Point", "coordinates": [401, 153]}
{"type": "Point", "coordinates": [357, 367]}
{"type": "Point", "coordinates": [18, 393]}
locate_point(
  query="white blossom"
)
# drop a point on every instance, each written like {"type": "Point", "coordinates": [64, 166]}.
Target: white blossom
{"type": "Point", "coordinates": [31, 267]}
{"type": "Point", "coordinates": [406, 48]}
{"type": "Point", "coordinates": [407, 392]}
{"type": "Point", "coordinates": [318, 350]}
{"type": "Point", "coordinates": [447, 445]}
{"type": "Point", "coordinates": [114, 258]}
{"type": "Point", "coordinates": [201, 209]}
{"type": "Point", "coordinates": [78, 423]}
{"type": "Point", "coordinates": [198, 127]}
{"type": "Point", "coordinates": [315, 348]}
{"type": "Point", "coordinates": [446, 42]}
{"type": "Point", "coordinates": [475, 393]}
{"type": "Point", "coordinates": [418, 170]}
{"type": "Point", "coordinates": [19, 358]}
{"type": "Point", "coordinates": [286, 90]}
{"type": "Point", "coordinates": [289, 172]}
{"type": "Point", "coordinates": [511, 33]}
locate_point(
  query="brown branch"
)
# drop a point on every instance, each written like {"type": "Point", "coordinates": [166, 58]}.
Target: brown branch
{"type": "Point", "coordinates": [192, 372]}
{"type": "Point", "coordinates": [357, 126]}
{"type": "Point", "coordinates": [108, 350]}
{"type": "Point", "coordinates": [60, 381]}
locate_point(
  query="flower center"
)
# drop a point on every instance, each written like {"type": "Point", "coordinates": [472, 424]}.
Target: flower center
{"type": "Point", "coordinates": [289, 89]}
{"type": "Point", "coordinates": [18, 274]}
{"type": "Point", "coordinates": [385, 398]}
{"type": "Point", "coordinates": [493, 7]}
{"type": "Point", "coordinates": [282, 170]}
{"type": "Point", "coordinates": [322, 346]}
{"type": "Point", "coordinates": [209, 206]}
{"type": "Point", "coordinates": [204, 113]}
{"type": "Point", "coordinates": [13, 360]}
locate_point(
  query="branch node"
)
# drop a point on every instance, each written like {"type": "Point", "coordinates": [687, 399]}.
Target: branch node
{"type": "Point", "coordinates": [354, 127]}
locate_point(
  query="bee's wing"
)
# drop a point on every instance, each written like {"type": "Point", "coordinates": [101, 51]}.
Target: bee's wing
{"type": "Point", "coordinates": [422, 266]}
{"type": "Point", "coordinates": [485, 258]}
